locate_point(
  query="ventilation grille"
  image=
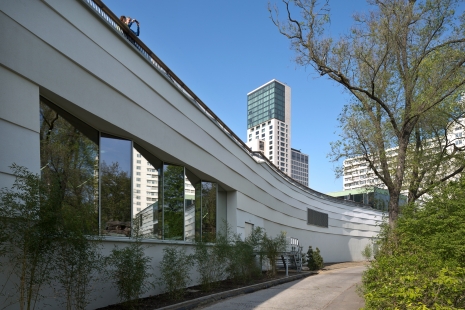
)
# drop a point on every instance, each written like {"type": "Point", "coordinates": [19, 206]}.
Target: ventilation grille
{"type": "Point", "coordinates": [317, 218]}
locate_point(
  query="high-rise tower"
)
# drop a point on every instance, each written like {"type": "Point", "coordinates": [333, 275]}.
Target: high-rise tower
{"type": "Point", "coordinates": [269, 123]}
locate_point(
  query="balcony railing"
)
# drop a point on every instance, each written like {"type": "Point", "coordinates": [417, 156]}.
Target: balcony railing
{"type": "Point", "coordinates": [113, 21]}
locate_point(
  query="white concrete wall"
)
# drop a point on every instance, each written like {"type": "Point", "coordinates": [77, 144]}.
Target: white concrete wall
{"type": "Point", "coordinates": [88, 69]}
{"type": "Point", "coordinates": [19, 125]}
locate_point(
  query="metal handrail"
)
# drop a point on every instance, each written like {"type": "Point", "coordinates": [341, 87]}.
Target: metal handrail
{"type": "Point", "coordinates": [104, 12]}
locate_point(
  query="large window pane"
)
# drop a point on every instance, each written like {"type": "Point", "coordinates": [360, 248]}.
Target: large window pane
{"type": "Point", "coordinates": [69, 162]}
{"type": "Point", "coordinates": [115, 186]}
{"type": "Point", "coordinates": [190, 198]}
{"type": "Point", "coordinates": [173, 202]}
{"type": "Point", "coordinates": [209, 201]}
{"type": "Point", "coordinates": [198, 211]}
{"type": "Point", "coordinates": [145, 193]}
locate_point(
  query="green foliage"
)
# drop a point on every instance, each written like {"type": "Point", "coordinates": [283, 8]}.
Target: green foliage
{"type": "Point", "coordinates": [27, 218]}
{"type": "Point", "coordinates": [210, 262]}
{"type": "Point", "coordinates": [173, 202]}
{"type": "Point", "coordinates": [314, 259]}
{"type": "Point", "coordinates": [367, 252]}
{"type": "Point", "coordinates": [43, 241]}
{"type": "Point", "coordinates": [404, 92]}
{"type": "Point", "coordinates": [272, 247]}
{"type": "Point", "coordinates": [115, 192]}
{"type": "Point", "coordinates": [242, 265]}
{"type": "Point", "coordinates": [174, 271]}
{"type": "Point", "coordinates": [129, 269]}
{"type": "Point", "coordinates": [421, 262]}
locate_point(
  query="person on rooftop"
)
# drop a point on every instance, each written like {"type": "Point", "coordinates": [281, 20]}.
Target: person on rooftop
{"type": "Point", "coordinates": [129, 21]}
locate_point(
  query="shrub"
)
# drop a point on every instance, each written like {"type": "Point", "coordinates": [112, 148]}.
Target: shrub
{"type": "Point", "coordinates": [174, 271]}
{"type": "Point", "coordinates": [367, 252]}
{"type": "Point", "coordinates": [129, 269]}
{"type": "Point", "coordinates": [420, 263]}
{"type": "Point", "coordinates": [210, 262]}
{"type": "Point", "coordinates": [272, 247]}
{"type": "Point", "coordinates": [29, 213]}
{"type": "Point", "coordinates": [242, 265]}
{"type": "Point", "coordinates": [314, 259]}
{"type": "Point", "coordinates": [43, 241]}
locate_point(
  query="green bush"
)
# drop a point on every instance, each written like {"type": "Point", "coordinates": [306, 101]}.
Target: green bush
{"type": "Point", "coordinates": [174, 271]}
{"type": "Point", "coordinates": [129, 269]}
{"type": "Point", "coordinates": [367, 252]}
{"type": "Point", "coordinates": [272, 247]}
{"type": "Point", "coordinates": [314, 259]}
{"type": "Point", "coordinates": [420, 263]}
{"type": "Point", "coordinates": [210, 262]}
{"type": "Point", "coordinates": [242, 263]}
{"type": "Point", "coordinates": [44, 242]}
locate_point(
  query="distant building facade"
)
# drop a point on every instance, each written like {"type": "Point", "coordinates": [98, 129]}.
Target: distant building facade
{"type": "Point", "coordinates": [377, 198]}
{"type": "Point", "coordinates": [269, 123]}
{"type": "Point", "coordinates": [299, 166]}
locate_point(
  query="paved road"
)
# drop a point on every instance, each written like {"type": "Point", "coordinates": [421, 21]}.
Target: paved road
{"type": "Point", "coordinates": [329, 290]}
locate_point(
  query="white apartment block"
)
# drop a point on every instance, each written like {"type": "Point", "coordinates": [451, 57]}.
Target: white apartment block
{"type": "Point", "coordinates": [357, 174]}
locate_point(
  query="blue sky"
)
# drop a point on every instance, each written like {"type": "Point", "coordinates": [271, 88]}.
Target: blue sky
{"type": "Point", "coordinates": [222, 49]}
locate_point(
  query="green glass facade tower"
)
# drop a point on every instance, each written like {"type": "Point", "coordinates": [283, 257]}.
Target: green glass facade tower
{"type": "Point", "coordinates": [267, 102]}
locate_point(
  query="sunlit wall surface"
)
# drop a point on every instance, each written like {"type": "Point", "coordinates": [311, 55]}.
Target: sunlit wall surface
{"type": "Point", "coordinates": [101, 176]}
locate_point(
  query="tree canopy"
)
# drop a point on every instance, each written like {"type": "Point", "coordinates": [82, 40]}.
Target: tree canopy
{"type": "Point", "coordinates": [403, 64]}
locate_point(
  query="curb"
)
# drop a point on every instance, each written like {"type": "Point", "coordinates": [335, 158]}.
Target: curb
{"type": "Point", "coordinates": [190, 304]}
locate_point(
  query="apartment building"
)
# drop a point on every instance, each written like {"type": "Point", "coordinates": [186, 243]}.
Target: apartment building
{"type": "Point", "coordinates": [357, 174]}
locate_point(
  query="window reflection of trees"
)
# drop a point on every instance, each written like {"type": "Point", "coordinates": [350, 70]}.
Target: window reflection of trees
{"type": "Point", "coordinates": [205, 212]}
{"type": "Point", "coordinates": [115, 193]}
{"type": "Point", "coordinates": [69, 158]}
{"type": "Point", "coordinates": [173, 202]}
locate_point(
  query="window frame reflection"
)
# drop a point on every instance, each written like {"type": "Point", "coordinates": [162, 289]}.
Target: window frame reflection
{"type": "Point", "coordinates": [114, 193]}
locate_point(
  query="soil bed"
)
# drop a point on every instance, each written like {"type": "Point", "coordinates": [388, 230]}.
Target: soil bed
{"type": "Point", "coordinates": [194, 292]}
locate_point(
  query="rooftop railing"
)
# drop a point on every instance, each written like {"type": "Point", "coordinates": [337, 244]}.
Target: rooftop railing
{"type": "Point", "coordinates": [114, 22]}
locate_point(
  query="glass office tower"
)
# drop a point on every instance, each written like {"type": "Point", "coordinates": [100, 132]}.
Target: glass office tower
{"type": "Point", "coordinates": [269, 123]}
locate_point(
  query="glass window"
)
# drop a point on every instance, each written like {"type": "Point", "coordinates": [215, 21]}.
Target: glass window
{"type": "Point", "coordinates": [172, 183]}
{"type": "Point", "coordinates": [205, 211]}
{"type": "Point", "coordinates": [69, 157]}
{"type": "Point", "coordinates": [115, 186]}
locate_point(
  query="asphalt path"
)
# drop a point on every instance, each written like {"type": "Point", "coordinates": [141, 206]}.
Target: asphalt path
{"type": "Point", "coordinates": [329, 290]}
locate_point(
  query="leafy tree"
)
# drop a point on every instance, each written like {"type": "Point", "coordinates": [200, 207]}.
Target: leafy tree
{"type": "Point", "coordinates": [403, 64]}
{"type": "Point", "coordinates": [421, 262]}
{"type": "Point", "coordinates": [28, 217]}
{"type": "Point", "coordinates": [44, 244]}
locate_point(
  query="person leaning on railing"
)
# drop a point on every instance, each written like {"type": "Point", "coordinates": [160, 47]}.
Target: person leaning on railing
{"type": "Point", "coordinates": [128, 21]}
